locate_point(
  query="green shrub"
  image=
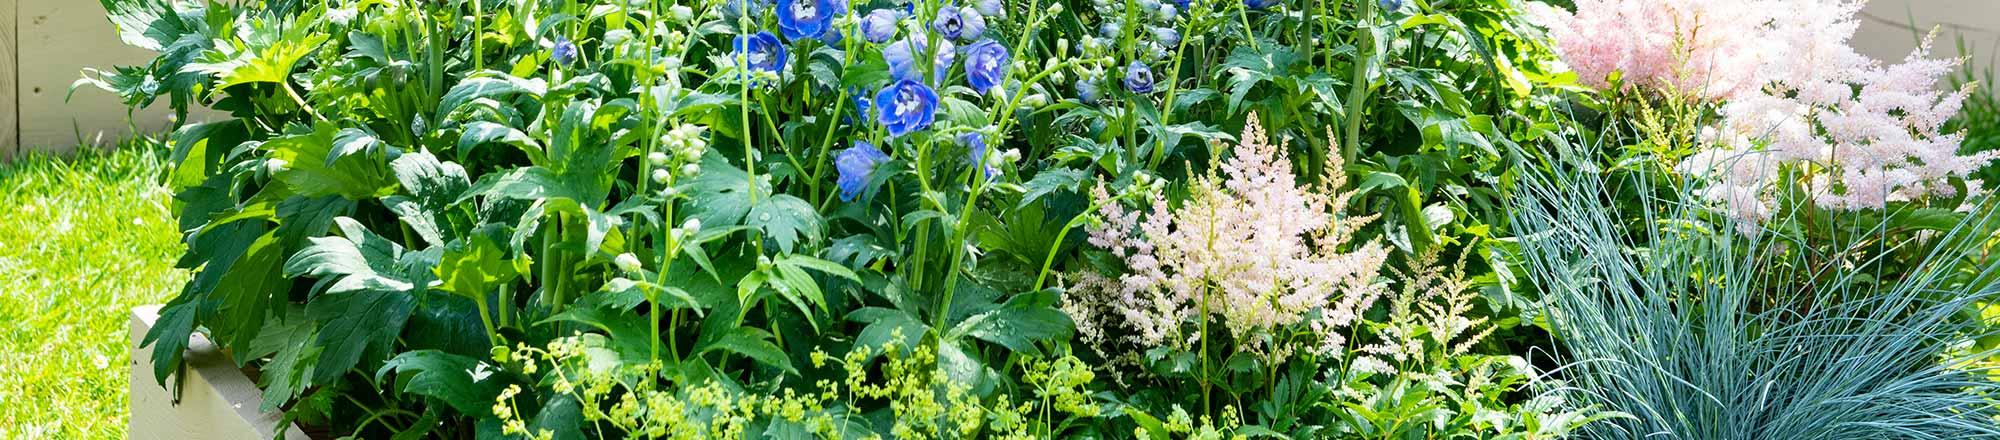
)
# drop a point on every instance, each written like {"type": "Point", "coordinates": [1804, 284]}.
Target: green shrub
{"type": "Point", "coordinates": [560, 218]}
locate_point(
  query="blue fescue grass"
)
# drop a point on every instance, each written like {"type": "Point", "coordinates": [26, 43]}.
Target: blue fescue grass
{"type": "Point", "coordinates": [1664, 311]}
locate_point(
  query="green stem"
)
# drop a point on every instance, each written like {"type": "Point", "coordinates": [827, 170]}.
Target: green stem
{"type": "Point", "coordinates": [1049, 261]}
{"type": "Point", "coordinates": [485, 318]}
{"type": "Point", "coordinates": [1364, 50]}
{"type": "Point", "coordinates": [478, 36]}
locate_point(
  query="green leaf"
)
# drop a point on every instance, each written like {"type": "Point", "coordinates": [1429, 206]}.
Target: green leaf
{"type": "Point", "coordinates": [482, 132]}
{"type": "Point", "coordinates": [1051, 180]}
{"type": "Point", "coordinates": [754, 343]}
{"type": "Point", "coordinates": [491, 87]}
{"type": "Point", "coordinates": [720, 196]}
{"type": "Point", "coordinates": [1154, 429]}
{"type": "Point", "coordinates": [435, 184]}
{"type": "Point", "coordinates": [361, 261]}
{"type": "Point", "coordinates": [1020, 322]}
{"type": "Point", "coordinates": [149, 24]}
{"type": "Point", "coordinates": [265, 64]}
{"type": "Point", "coordinates": [467, 384]}
{"type": "Point", "coordinates": [474, 267]}
{"type": "Point", "coordinates": [289, 343]}
{"type": "Point", "coordinates": [311, 170]}
{"type": "Point", "coordinates": [356, 326]}
{"type": "Point", "coordinates": [785, 219]}
{"type": "Point", "coordinates": [349, 141]}
{"type": "Point", "coordinates": [883, 328]}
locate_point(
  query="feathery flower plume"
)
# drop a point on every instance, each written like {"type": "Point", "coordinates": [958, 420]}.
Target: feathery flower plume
{"type": "Point", "coordinates": [1250, 249]}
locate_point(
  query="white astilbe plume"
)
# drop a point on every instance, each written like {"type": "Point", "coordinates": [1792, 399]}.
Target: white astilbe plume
{"type": "Point", "coordinates": [1863, 137]}
{"type": "Point", "coordinates": [1250, 249]}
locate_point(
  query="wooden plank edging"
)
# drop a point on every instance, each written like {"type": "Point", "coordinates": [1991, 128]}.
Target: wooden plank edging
{"type": "Point", "coordinates": [217, 400]}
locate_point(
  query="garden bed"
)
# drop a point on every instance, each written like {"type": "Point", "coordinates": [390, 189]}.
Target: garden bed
{"type": "Point", "coordinates": [217, 400]}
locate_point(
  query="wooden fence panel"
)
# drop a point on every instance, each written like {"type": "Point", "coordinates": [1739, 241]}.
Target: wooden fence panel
{"type": "Point", "coordinates": [57, 39]}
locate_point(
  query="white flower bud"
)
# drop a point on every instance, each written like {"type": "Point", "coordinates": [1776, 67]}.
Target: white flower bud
{"type": "Point", "coordinates": [657, 158]}
{"type": "Point", "coordinates": [692, 225]}
{"type": "Point", "coordinates": [627, 262]}
{"type": "Point", "coordinates": [660, 175]}
{"type": "Point", "coordinates": [690, 170]}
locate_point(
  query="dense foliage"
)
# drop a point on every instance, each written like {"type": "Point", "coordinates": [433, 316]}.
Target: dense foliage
{"type": "Point", "coordinates": [908, 219]}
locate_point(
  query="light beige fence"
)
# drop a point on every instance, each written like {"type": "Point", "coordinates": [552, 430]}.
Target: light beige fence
{"type": "Point", "coordinates": [1888, 32]}
{"type": "Point", "coordinates": [44, 44]}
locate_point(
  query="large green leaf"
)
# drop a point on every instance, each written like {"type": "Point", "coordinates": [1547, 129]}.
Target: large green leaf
{"type": "Point", "coordinates": [493, 87]}
{"type": "Point", "coordinates": [475, 267]}
{"type": "Point", "coordinates": [355, 326]}
{"type": "Point", "coordinates": [786, 219]}
{"type": "Point", "coordinates": [721, 195]}
{"type": "Point", "coordinates": [754, 343]}
{"type": "Point", "coordinates": [309, 172]}
{"type": "Point", "coordinates": [269, 63]}
{"type": "Point", "coordinates": [467, 384]}
{"type": "Point", "coordinates": [360, 261]}
{"type": "Point", "coordinates": [1020, 322]}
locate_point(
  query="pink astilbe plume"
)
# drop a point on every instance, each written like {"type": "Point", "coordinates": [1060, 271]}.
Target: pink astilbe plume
{"type": "Point", "coordinates": [1249, 246]}
{"type": "Point", "coordinates": [1705, 48]}
{"type": "Point", "coordinates": [1793, 93]}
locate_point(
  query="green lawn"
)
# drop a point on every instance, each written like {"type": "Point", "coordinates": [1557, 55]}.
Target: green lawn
{"type": "Point", "coordinates": [82, 241]}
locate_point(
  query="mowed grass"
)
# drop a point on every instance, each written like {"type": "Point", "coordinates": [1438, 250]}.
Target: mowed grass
{"type": "Point", "coordinates": [82, 241]}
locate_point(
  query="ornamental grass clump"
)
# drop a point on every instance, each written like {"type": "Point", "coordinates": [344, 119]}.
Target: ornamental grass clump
{"type": "Point", "coordinates": [1659, 312]}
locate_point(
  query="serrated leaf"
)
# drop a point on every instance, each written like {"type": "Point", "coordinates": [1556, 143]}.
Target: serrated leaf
{"type": "Point", "coordinates": [1051, 180]}
{"type": "Point", "coordinates": [467, 384]}
{"type": "Point", "coordinates": [492, 87]}
{"type": "Point", "coordinates": [754, 343]}
{"type": "Point", "coordinates": [354, 326]}
{"type": "Point", "coordinates": [786, 219]}
{"type": "Point", "coordinates": [474, 267]}
{"type": "Point", "coordinates": [311, 170]}
{"type": "Point", "coordinates": [1020, 322]}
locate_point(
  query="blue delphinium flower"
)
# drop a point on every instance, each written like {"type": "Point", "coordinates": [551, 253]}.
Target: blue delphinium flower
{"type": "Point", "coordinates": [1392, 5]}
{"type": "Point", "coordinates": [954, 22]}
{"type": "Point", "coordinates": [985, 65]}
{"type": "Point", "coordinates": [761, 51]}
{"type": "Point", "coordinates": [808, 18]}
{"type": "Point", "coordinates": [1261, 4]}
{"type": "Point", "coordinates": [1167, 36]}
{"type": "Point", "coordinates": [856, 166]}
{"type": "Point", "coordinates": [902, 57]}
{"type": "Point", "coordinates": [564, 51]}
{"type": "Point", "coordinates": [1086, 91]}
{"type": "Point", "coordinates": [975, 151]}
{"type": "Point", "coordinates": [906, 106]}
{"type": "Point", "coordinates": [1183, 4]}
{"type": "Point", "coordinates": [880, 25]}
{"type": "Point", "coordinates": [1139, 78]}
{"type": "Point", "coordinates": [975, 24]}
{"type": "Point", "coordinates": [990, 8]}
